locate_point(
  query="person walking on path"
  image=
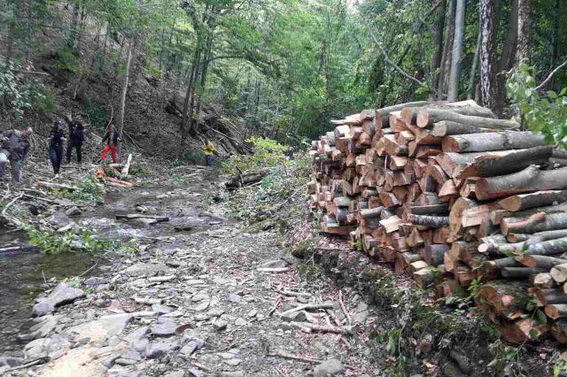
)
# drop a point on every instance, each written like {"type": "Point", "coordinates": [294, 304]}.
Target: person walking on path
{"type": "Point", "coordinates": [14, 148]}
{"type": "Point", "coordinates": [76, 138]}
{"type": "Point", "coordinates": [111, 137]}
{"type": "Point", "coordinates": [209, 150]}
{"type": "Point", "coordinates": [56, 141]}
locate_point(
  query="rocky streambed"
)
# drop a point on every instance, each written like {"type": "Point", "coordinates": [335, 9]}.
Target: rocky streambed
{"type": "Point", "coordinates": [200, 298]}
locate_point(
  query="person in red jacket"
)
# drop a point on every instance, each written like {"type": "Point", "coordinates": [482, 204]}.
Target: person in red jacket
{"type": "Point", "coordinates": [111, 138]}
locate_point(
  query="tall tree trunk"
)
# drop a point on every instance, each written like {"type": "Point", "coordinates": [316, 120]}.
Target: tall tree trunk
{"type": "Point", "coordinates": [187, 102]}
{"type": "Point", "coordinates": [556, 38]}
{"type": "Point", "coordinates": [524, 31]}
{"type": "Point", "coordinates": [445, 67]}
{"type": "Point", "coordinates": [74, 29]}
{"type": "Point", "coordinates": [438, 29]}
{"type": "Point", "coordinates": [506, 62]}
{"type": "Point", "coordinates": [457, 50]}
{"type": "Point", "coordinates": [474, 68]}
{"type": "Point", "coordinates": [488, 52]}
{"type": "Point", "coordinates": [122, 109]}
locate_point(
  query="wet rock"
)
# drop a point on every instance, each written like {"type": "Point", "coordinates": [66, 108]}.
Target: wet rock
{"type": "Point", "coordinates": [43, 328]}
{"type": "Point", "coordinates": [327, 368]}
{"type": "Point", "coordinates": [164, 327]}
{"type": "Point", "coordinates": [62, 294]}
{"type": "Point", "coordinates": [59, 220]}
{"type": "Point", "coordinates": [10, 361]}
{"type": "Point", "coordinates": [95, 281]}
{"type": "Point", "coordinates": [73, 211]}
{"type": "Point", "coordinates": [140, 269]}
{"type": "Point", "coordinates": [158, 350]}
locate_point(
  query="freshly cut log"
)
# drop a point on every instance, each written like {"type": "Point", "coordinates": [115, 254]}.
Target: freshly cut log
{"type": "Point", "coordinates": [425, 277]}
{"type": "Point", "coordinates": [559, 273]}
{"type": "Point", "coordinates": [521, 272]}
{"type": "Point", "coordinates": [391, 224]}
{"type": "Point", "coordinates": [537, 199]}
{"type": "Point", "coordinates": [428, 117]}
{"type": "Point", "coordinates": [491, 141]}
{"type": "Point", "coordinates": [447, 127]}
{"type": "Point", "coordinates": [554, 221]}
{"type": "Point", "coordinates": [541, 261]}
{"type": "Point", "coordinates": [517, 226]}
{"type": "Point", "coordinates": [432, 221]}
{"type": "Point", "coordinates": [522, 330]}
{"type": "Point", "coordinates": [434, 254]}
{"type": "Point", "coordinates": [384, 113]}
{"type": "Point", "coordinates": [537, 237]}
{"type": "Point", "coordinates": [493, 165]}
{"type": "Point", "coordinates": [369, 213]}
{"type": "Point", "coordinates": [544, 280]}
{"type": "Point", "coordinates": [528, 180]}
{"type": "Point", "coordinates": [552, 247]}
{"type": "Point", "coordinates": [549, 296]}
{"type": "Point", "coordinates": [429, 209]}
{"type": "Point", "coordinates": [503, 298]}
{"type": "Point", "coordinates": [559, 330]}
{"type": "Point", "coordinates": [555, 311]}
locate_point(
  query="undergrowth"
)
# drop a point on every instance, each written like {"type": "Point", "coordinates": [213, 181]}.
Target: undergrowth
{"type": "Point", "coordinates": [73, 241]}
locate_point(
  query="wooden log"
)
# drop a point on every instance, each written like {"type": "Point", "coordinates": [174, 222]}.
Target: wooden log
{"type": "Point", "coordinates": [559, 273]}
{"type": "Point", "coordinates": [521, 272]}
{"type": "Point", "coordinates": [428, 117]}
{"type": "Point", "coordinates": [431, 221]}
{"type": "Point", "coordinates": [369, 213]}
{"type": "Point", "coordinates": [544, 280]}
{"type": "Point", "coordinates": [517, 226]}
{"type": "Point", "coordinates": [491, 141]}
{"type": "Point", "coordinates": [559, 330]}
{"type": "Point", "coordinates": [554, 221]}
{"type": "Point", "coordinates": [521, 331]}
{"type": "Point", "coordinates": [447, 127]}
{"type": "Point", "coordinates": [555, 311]}
{"type": "Point", "coordinates": [537, 237]}
{"type": "Point", "coordinates": [522, 202]}
{"type": "Point", "coordinates": [551, 247]}
{"type": "Point", "coordinates": [425, 277]}
{"type": "Point", "coordinates": [384, 113]}
{"type": "Point", "coordinates": [494, 165]}
{"type": "Point", "coordinates": [549, 296]}
{"type": "Point", "coordinates": [434, 255]}
{"type": "Point", "coordinates": [528, 180]}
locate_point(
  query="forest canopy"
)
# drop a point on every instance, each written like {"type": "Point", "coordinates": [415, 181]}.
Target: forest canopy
{"type": "Point", "coordinates": [286, 67]}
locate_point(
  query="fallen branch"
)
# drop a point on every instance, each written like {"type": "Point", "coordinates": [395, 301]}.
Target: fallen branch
{"type": "Point", "coordinates": [277, 270]}
{"type": "Point", "coordinates": [551, 75]}
{"type": "Point", "coordinates": [278, 301]}
{"type": "Point", "coordinates": [325, 305]}
{"type": "Point", "coordinates": [344, 308]}
{"type": "Point", "coordinates": [11, 203]}
{"type": "Point", "coordinates": [318, 328]}
{"type": "Point", "coordinates": [289, 356]}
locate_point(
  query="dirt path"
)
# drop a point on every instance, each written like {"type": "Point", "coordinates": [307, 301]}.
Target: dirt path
{"type": "Point", "coordinates": [201, 298]}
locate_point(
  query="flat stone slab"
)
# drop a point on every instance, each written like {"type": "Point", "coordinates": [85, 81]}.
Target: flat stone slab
{"type": "Point", "coordinates": [139, 269]}
{"type": "Point", "coordinates": [62, 294]}
{"type": "Point", "coordinates": [102, 328]}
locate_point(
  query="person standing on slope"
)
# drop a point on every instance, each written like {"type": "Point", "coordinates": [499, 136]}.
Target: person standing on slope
{"type": "Point", "coordinates": [111, 137]}
{"type": "Point", "coordinates": [209, 149]}
{"type": "Point", "coordinates": [14, 147]}
{"type": "Point", "coordinates": [56, 141]}
{"type": "Point", "coordinates": [76, 138]}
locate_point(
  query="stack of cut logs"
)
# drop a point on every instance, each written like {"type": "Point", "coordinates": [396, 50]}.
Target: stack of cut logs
{"type": "Point", "coordinates": [458, 199]}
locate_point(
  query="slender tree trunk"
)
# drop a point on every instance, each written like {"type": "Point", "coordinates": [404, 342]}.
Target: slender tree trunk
{"type": "Point", "coordinates": [71, 42]}
{"type": "Point", "coordinates": [506, 62]}
{"type": "Point", "coordinates": [524, 31]}
{"type": "Point", "coordinates": [438, 30]}
{"type": "Point", "coordinates": [187, 101]}
{"type": "Point", "coordinates": [444, 70]}
{"type": "Point", "coordinates": [474, 68]}
{"type": "Point", "coordinates": [457, 50]}
{"type": "Point", "coordinates": [488, 52]}
{"type": "Point", "coordinates": [556, 37]}
{"type": "Point", "coordinates": [122, 109]}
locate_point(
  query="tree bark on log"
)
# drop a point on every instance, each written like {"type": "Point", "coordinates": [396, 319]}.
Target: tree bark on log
{"type": "Point", "coordinates": [541, 261]}
{"type": "Point", "coordinates": [537, 199]}
{"type": "Point", "coordinates": [556, 311]}
{"type": "Point", "coordinates": [431, 221]}
{"type": "Point", "coordinates": [528, 180]}
{"type": "Point", "coordinates": [382, 117]}
{"type": "Point", "coordinates": [537, 237]}
{"type": "Point", "coordinates": [521, 272]}
{"type": "Point", "coordinates": [491, 141]}
{"type": "Point", "coordinates": [447, 127]}
{"type": "Point", "coordinates": [428, 117]}
{"type": "Point", "coordinates": [551, 247]}
{"type": "Point", "coordinates": [493, 165]}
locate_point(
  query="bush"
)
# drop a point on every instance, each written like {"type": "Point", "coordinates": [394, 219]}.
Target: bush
{"type": "Point", "coordinates": [46, 101]}
{"type": "Point", "coordinates": [267, 153]}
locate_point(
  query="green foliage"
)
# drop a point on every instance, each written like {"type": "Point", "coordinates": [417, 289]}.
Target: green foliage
{"type": "Point", "coordinates": [45, 101]}
{"type": "Point", "coordinates": [96, 115]}
{"type": "Point", "coordinates": [75, 241]}
{"type": "Point", "coordinates": [559, 367]}
{"type": "Point", "coordinates": [503, 354]}
{"type": "Point", "coordinates": [546, 114]}
{"type": "Point", "coordinates": [17, 94]}
{"type": "Point", "coordinates": [90, 190]}
{"type": "Point", "coordinates": [267, 153]}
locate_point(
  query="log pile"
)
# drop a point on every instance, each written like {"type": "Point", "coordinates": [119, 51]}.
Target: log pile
{"type": "Point", "coordinates": [455, 197]}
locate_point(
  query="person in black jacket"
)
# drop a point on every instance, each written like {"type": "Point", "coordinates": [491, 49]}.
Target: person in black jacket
{"type": "Point", "coordinates": [56, 140]}
{"type": "Point", "coordinates": [14, 147]}
{"type": "Point", "coordinates": [76, 138]}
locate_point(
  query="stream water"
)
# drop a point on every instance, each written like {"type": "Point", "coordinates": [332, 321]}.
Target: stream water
{"type": "Point", "coordinates": [24, 275]}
